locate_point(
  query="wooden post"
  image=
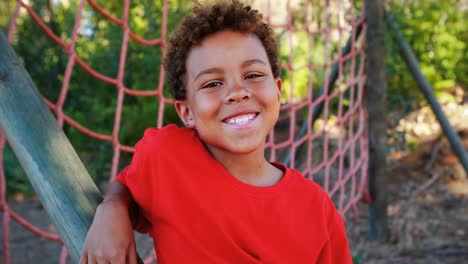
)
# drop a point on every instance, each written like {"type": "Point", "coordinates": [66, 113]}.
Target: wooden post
{"type": "Point", "coordinates": [57, 175]}
{"type": "Point", "coordinates": [376, 87]}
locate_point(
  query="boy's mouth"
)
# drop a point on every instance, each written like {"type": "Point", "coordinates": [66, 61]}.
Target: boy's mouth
{"type": "Point", "coordinates": [240, 120]}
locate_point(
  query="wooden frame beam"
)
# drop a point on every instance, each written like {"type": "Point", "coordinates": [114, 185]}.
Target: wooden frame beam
{"type": "Point", "coordinates": [55, 171]}
{"type": "Point", "coordinates": [376, 89]}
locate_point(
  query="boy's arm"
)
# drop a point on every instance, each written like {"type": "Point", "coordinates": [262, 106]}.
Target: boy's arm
{"type": "Point", "coordinates": [110, 238]}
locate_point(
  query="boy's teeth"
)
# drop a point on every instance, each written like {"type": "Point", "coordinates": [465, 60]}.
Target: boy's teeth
{"type": "Point", "coordinates": [241, 120]}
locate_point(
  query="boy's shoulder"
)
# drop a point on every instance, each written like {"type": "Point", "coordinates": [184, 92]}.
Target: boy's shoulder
{"type": "Point", "coordinates": [165, 132]}
{"type": "Point", "coordinates": [313, 192]}
{"type": "Point", "coordinates": [166, 136]}
{"type": "Point", "coordinates": [167, 141]}
{"type": "Point", "coordinates": [307, 183]}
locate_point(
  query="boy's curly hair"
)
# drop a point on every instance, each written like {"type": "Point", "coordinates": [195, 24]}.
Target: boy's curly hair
{"type": "Point", "coordinates": [207, 20]}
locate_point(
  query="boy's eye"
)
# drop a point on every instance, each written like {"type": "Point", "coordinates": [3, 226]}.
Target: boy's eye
{"type": "Point", "coordinates": [253, 75]}
{"type": "Point", "coordinates": [212, 84]}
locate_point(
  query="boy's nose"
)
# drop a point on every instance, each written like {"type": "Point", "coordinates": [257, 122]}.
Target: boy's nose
{"type": "Point", "coordinates": [238, 93]}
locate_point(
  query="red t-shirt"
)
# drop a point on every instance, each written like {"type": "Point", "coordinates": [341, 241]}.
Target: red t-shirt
{"type": "Point", "coordinates": [199, 213]}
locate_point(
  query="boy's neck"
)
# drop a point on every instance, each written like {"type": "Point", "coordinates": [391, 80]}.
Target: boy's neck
{"type": "Point", "coordinates": [250, 168]}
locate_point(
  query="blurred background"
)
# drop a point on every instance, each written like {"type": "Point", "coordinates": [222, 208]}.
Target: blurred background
{"type": "Point", "coordinates": [427, 185]}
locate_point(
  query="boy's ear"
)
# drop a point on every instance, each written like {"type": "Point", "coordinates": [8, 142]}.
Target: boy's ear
{"type": "Point", "coordinates": [279, 86]}
{"type": "Point", "coordinates": [184, 113]}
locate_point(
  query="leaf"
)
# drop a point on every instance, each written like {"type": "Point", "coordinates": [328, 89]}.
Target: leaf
{"type": "Point", "coordinates": [445, 97]}
{"type": "Point", "coordinates": [444, 84]}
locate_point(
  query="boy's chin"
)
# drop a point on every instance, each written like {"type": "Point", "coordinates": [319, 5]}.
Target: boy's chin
{"type": "Point", "coordinates": [241, 148]}
{"type": "Point", "coordinates": [250, 147]}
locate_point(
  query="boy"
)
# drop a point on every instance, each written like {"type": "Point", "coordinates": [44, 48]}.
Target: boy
{"type": "Point", "coordinates": [205, 193]}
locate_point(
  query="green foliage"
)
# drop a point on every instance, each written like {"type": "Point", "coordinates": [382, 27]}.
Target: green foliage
{"type": "Point", "coordinates": [357, 258]}
{"type": "Point", "coordinates": [301, 77]}
{"type": "Point", "coordinates": [436, 32]}
{"type": "Point", "coordinates": [17, 182]}
{"type": "Point", "coordinates": [6, 11]}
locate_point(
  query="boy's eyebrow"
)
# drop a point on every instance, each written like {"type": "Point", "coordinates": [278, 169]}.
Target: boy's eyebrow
{"type": "Point", "coordinates": [208, 71]}
{"type": "Point", "coordinates": [252, 61]}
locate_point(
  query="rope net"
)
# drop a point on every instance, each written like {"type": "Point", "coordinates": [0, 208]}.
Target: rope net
{"type": "Point", "coordinates": [322, 126]}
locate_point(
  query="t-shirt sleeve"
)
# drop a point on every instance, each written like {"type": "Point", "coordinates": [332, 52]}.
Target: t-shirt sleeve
{"type": "Point", "coordinates": [139, 179]}
{"type": "Point", "coordinates": [336, 249]}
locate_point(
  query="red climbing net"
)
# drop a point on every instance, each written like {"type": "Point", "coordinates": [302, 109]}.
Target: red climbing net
{"type": "Point", "coordinates": [322, 128]}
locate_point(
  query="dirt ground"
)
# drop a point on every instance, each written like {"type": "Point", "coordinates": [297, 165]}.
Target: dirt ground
{"type": "Point", "coordinates": [427, 218]}
{"type": "Point", "coordinates": [427, 204]}
{"type": "Point", "coordinates": [427, 195]}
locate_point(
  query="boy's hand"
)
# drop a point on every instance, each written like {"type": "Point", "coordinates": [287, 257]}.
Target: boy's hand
{"type": "Point", "coordinates": [110, 238]}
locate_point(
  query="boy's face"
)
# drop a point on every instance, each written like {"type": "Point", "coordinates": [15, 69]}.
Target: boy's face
{"type": "Point", "coordinates": [232, 98]}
